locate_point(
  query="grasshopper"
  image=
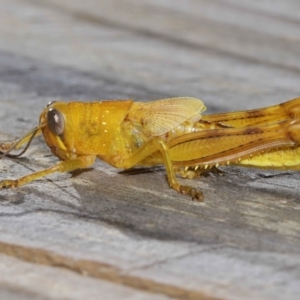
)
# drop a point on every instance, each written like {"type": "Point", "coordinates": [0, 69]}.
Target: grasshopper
{"type": "Point", "coordinates": [170, 132]}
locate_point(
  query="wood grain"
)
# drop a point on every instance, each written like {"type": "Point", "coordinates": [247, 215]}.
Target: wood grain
{"type": "Point", "coordinates": [128, 231]}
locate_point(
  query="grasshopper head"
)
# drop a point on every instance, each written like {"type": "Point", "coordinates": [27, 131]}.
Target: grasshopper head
{"type": "Point", "coordinates": [57, 129]}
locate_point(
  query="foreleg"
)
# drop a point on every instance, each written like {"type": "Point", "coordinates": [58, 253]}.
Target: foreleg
{"type": "Point", "coordinates": [63, 166]}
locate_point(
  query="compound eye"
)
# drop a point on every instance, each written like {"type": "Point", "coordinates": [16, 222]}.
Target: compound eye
{"type": "Point", "coordinates": [50, 103]}
{"type": "Point", "coordinates": [56, 121]}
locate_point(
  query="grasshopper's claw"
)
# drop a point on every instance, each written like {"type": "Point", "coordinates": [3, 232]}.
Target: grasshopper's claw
{"type": "Point", "coordinates": [5, 184]}
{"type": "Point", "coordinates": [192, 192]}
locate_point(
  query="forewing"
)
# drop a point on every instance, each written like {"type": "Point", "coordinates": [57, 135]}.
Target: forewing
{"type": "Point", "coordinates": [159, 117]}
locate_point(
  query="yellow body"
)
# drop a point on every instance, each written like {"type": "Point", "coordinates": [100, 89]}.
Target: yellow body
{"type": "Point", "coordinates": [171, 132]}
{"type": "Point", "coordinates": [90, 128]}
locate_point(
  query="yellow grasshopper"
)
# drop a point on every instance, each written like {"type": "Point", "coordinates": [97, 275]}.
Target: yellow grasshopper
{"type": "Point", "coordinates": [170, 132]}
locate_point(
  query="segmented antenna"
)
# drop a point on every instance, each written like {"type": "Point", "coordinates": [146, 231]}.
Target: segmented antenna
{"type": "Point", "coordinates": [32, 134]}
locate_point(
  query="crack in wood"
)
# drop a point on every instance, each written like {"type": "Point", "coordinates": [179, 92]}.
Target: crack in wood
{"type": "Point", "coordinates": [99, 270]}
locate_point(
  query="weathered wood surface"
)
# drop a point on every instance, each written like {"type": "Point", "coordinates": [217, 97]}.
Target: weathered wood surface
{"type": "Point", "coordinates": [121, 235]}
